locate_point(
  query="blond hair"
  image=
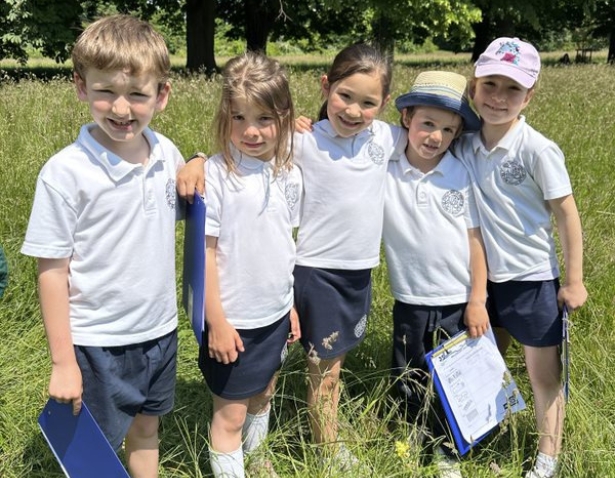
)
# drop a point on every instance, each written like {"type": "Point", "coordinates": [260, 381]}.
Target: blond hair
{"type": "Point", "coordinates": [122, 42]}
{"type": "Point", "coordinates": [262, 81]}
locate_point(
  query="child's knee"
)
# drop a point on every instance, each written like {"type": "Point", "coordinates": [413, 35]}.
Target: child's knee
{"type": "Point", "coordinates": [231, 421]}
{"type": "Point", "coordinates": [144, 426]}
{"type": "Point", "coordinates": [546, 375]}
{"type": "Point", "coordinates": [329, 383]}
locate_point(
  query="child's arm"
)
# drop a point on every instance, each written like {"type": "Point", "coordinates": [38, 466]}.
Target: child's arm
{"type": "Point", "coordinates": [191, 177]}
{"type": "Point", "coordinates": [572, 293]}
{"type": "Point", "coordinates": [224, 342]}
{"type": "Point", "coordinates": [65, 383]}
{"type": "Point", "coordinates": [476, 318]}
{"type": "Point", "coordinates": [303, 124]}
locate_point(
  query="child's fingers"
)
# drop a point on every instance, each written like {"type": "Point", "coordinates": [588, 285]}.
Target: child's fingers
{"type": "Point", "coordinates": [238, 344]}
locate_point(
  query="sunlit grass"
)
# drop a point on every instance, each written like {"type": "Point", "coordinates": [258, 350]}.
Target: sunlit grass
{"type": "Point", "coordinates": [574, 106]}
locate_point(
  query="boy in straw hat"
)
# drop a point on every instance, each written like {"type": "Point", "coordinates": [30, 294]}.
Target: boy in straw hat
{"type": "Point", "coordinates": [433, 245]}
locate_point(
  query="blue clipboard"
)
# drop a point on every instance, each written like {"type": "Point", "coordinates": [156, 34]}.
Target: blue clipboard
{"type": "Point", "coordinates": [78, 443]}
{"type": "Point", "coordinates": [460, 442]}
{"type": "Point", "coordinates": [502, 399]}
{"type": "Point", "coordinates": [193, 291]}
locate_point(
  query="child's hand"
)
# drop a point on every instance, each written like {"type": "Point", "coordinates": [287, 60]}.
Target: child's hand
{"type": "Point", "coordinates": [572, 295]}
{"type": "Point", "coordinates": [224, 343]}
{"type": "Point", "coordinates": [476, 319]}
{"type": "Point", "coordinates": [191, 177]}
{"type": "Point", "coordinates": [303, 124]}
{"type": "Point", "coordinates": [295, 329]}
{"type": "Point", "coordinates": [66, 385]}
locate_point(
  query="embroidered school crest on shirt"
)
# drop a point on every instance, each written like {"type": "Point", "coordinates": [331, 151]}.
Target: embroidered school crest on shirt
{"type": "Point", "coordinates": [359, 329]}
{"type": "Point", "coordinates": [375, 152]}
{"type": "Point", "coordinates": [512, 172]}
{"type": "Point", "coordinates": [452, 202]}
{"type": "Point", "coordinates": [170, 193]}
{"type": "Point", "coordinates": [291, 193]}
{"type": "Point", "coordinates": [510, 52]}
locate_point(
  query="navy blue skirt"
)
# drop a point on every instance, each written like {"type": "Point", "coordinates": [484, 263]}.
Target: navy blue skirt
{"type": "Point", "coordinates": [333, 306]}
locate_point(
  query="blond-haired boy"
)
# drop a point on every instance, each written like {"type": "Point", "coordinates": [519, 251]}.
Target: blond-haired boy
{"type": "Point", "coordinates": [103, 230]}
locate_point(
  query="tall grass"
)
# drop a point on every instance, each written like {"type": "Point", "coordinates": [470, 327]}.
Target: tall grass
{"type": "Point", "coordinates": [574, 106]}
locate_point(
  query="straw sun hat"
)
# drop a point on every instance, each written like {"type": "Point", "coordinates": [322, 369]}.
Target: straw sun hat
{"type": "Point", "coordinates": [441, 89]}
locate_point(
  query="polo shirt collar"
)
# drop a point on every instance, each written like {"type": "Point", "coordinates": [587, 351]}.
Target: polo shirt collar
{"type": "Point", "coordinates": [506, 143]}
{"type": "Point", "coordinates": [327, 128]}
{"type": "Point", "coordinates": [115, 166]}
{"type": "Point", "coordinates": [443, 167]}
{"type": "Point", "coordinates": [247, 163]}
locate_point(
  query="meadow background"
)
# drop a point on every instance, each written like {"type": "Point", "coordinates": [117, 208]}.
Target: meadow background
{"type": "Point", "coordinates": [574, 106]}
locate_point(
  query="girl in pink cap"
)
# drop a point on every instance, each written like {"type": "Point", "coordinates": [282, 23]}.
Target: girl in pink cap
{"type": "Point", "coordinates": [520, 180]}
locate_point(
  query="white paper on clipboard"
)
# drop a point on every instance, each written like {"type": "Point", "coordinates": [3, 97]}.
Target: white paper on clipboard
{"type": "Point", "coordinates": [478, 386]}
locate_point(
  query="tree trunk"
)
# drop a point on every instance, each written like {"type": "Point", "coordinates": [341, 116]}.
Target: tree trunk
{"type": "Point", "coordinates": [200, 29]}
{"type": "Point", "coordinates": [482, 37]}
{"type": "Point", "coordinates": [260, 15]}
{"type": "Point", "coordinates": [488, 30]}
{"type": "Point", "coordinates": [383, 35]}
{"type": "Point", "coordinates": [610, 59]}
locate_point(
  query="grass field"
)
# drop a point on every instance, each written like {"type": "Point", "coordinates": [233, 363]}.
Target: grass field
{"type": "Point", "coordinates": [574, 106]}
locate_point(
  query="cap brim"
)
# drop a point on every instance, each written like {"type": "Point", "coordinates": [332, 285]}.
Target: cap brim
{"type": "Point", "coordinates": [471, 121]}
{"type": "Point", "coordinates": [508, 70]}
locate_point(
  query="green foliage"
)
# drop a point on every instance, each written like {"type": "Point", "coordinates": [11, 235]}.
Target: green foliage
{"type": "Point", "coordinates": [49, 26]}
{"type": "Point", "coordinates": [37, 119]}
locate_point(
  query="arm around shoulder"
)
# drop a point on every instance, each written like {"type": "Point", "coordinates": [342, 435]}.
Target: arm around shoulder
{"type": "Point", "coordinates": [191, 177]}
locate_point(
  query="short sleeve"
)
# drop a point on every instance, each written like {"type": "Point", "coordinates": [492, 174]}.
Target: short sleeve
{"type": "Point", "coordinates": [548, 169]}
{"type": "Point", "coordinates": [52, 224]}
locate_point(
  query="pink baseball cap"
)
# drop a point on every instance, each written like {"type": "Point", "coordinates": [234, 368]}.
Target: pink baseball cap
{"type": "Point", "coordinates": [512, 58]}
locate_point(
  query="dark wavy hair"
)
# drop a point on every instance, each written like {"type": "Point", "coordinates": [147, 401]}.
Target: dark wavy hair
{"type": "Point", "coordinates": [359, 58]}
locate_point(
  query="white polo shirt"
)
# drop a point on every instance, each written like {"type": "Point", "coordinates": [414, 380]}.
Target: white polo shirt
{"type": "Point", "coordinates": [343, 180]}
{"type": "Point", "coordinates": [514, 181]}
{"type": "Point", "coordinates": [252, 214]}
{"type": "Point", "coordinates": [116, 222]}
{"type": "Point", "coordinates": [425, 233]}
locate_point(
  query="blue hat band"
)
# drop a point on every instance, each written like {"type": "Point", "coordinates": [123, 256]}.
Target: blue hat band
{"type": "Point", "coordinates": [471, 121]}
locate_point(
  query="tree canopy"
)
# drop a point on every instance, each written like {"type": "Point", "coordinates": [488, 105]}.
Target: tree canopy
{"type": "Point", "coordinates": [51, 26]}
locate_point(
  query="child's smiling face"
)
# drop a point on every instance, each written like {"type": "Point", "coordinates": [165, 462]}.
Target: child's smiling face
{"type": "Point", "coordinates": [430, 133]}
{"type": "Point", "coordinates": [498, 99]}
{"type": "Point", "coordinates": [121, 103]}
{"type": "Point", "coordinates": [353, 102]}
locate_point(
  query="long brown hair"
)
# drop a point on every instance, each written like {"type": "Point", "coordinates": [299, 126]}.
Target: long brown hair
{"type": "Point", "coordinates": [263, 81]}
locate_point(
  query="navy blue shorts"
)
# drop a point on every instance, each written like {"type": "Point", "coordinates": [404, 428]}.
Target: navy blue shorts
{"type": "Point", "coordinates": [119, 382]}
{"type": "Point", "coordinates": [333, 305]}
{"type": "Point", "coordinates": [528, 310]}
{"type": "Point", "coordinates": [265, 349]}
{"type": "Point", "coordinates": [418, 329]}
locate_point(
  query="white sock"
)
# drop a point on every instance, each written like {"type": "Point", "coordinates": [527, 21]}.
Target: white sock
{"type": "Point", "coordinates": [255, 430]}
{"type": "Point", "coordinates": [227, 465]}
{"type": "Point", "coordinates": [546, 463]}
